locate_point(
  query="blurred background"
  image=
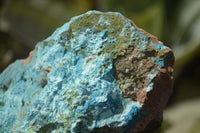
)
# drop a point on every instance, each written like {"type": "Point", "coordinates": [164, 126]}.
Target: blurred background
{"type": "Point", "coordinates": [175, 22]}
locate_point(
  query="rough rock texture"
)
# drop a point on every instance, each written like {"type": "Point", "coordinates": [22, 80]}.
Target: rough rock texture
{"type": "Point", "coordinates": [96, 73]}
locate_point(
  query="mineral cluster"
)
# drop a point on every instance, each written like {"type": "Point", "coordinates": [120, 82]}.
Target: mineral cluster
{"type": "Point", "coordinates": [96, 73]}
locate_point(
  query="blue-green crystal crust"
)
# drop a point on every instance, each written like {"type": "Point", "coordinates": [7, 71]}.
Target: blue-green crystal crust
{"type": "Point", "coordinates": [80, 78]}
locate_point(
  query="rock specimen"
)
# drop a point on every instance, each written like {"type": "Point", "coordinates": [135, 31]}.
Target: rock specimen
{"type": "Point", "coordinates": [96, 73]}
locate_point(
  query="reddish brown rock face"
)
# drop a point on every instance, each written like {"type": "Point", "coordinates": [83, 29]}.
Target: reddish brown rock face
{"type": "Point", "coordinates": [156, 99]}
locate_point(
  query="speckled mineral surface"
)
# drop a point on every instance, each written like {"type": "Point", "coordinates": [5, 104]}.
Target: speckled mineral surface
{"type": "Point", "coordinates": [96, 73]}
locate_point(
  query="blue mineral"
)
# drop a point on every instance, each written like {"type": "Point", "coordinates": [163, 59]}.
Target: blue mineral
{"type": "Point", "coordinates": [96, 73]}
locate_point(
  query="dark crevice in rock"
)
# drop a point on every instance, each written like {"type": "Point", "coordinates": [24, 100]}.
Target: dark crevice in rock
{"type": "Point", "coordinates": [106, 130]}
{"type": "Point", "coordinates": [4, 88]}
{"type": "Point", "coordinates": [22, 102]}
{"type": "Point", "coordinates": [47, 70]}
{"type": "Point", "coordinates": [50, 127]}
{"type": "Point", "coordinates": [1, 103]}
{"type": "Point", "coordinates": [43, 82]}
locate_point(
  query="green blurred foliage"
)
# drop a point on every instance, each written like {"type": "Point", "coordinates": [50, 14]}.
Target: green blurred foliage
{"type": "Point", "coordinates": [175, 22]}
{"type": "Point", "coordinates": [165, 126]}
{"type": "Point", "coordinates": [196, 127]}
